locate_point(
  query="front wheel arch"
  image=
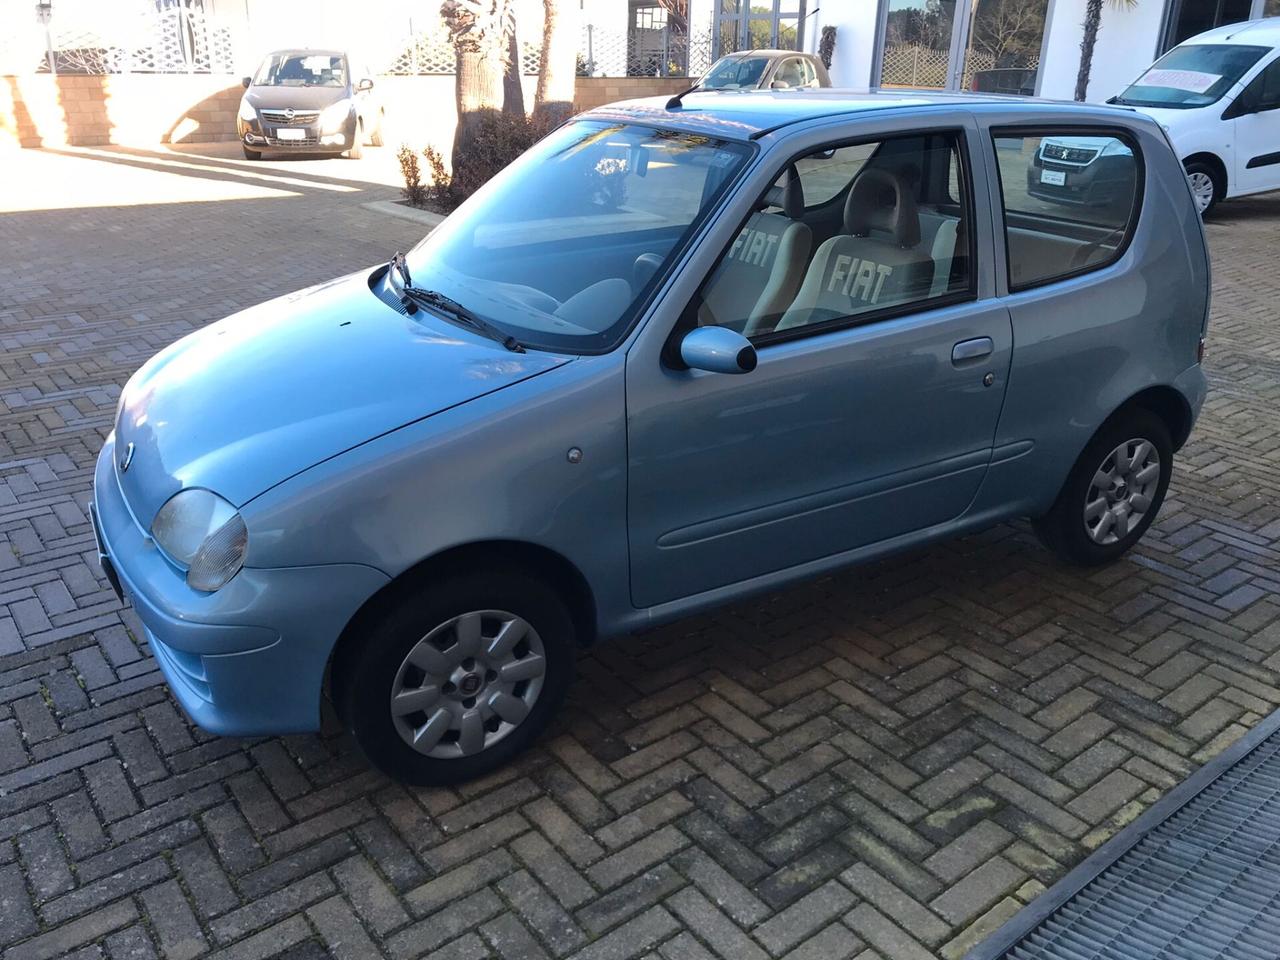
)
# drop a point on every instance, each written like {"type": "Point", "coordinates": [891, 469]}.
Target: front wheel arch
{"type": "Point", "coordinates": [1216, 168]}
{"type": "Point", "coordinates": [534, 560]}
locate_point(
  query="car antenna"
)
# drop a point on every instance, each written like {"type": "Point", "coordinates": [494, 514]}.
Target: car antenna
{"type": "Point", "coordinates": [675, 102]}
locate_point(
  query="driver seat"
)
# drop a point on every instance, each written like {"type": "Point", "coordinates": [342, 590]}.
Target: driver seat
{"type": "Point", "coordinates": [759, 274]}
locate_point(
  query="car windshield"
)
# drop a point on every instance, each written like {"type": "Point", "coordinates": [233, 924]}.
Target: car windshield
{"type": "Point", "coordinates": [733, 72]}
{"type": "Point", "coordinates": [562, 248]}
{"type": "Point", "coordinates": [302, 70]}
{"type": "Point", "coordinates": [1192, 75]}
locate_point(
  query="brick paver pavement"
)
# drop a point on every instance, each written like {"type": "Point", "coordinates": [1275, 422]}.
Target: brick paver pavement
{"type": "Point", "coordinates": [885, 763]}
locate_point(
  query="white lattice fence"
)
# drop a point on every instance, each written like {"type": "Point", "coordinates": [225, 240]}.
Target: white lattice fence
{"type": "Point", "coordinates": [432, 53]}
{"type": "Point", "coordinates": [122, 40]}
{"type": "Point", "coordinates": [637, 52]}
{"type": "Point", "coordinates": [915, 65]}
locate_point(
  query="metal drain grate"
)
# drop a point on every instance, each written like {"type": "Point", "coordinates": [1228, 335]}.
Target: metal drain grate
{"type": "Point", "coordinates": [1195, 878]}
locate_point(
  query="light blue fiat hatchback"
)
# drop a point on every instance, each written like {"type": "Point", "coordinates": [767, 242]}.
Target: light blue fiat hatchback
{"type": "Point", "coordinates": [678, 353]}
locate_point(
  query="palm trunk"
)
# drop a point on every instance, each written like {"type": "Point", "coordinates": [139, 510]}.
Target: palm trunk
{"type": "Point", "coordinates": [554, 100]}
{"type": "Point", "coordinates": [1092, 21]}
{"type": "Point", "coordinates": [478, 91]}
{"type": "Point", "coordinates": [512, 90]}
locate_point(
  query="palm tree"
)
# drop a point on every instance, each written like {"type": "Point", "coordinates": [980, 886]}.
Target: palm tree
{"type": "Point", "coordinates": [478, 31]}
{"type": "Point", "coordinates": [512, 90]}
{"type": "Point", "coordinates": [557, 74]}
{"type": "Point", "coordinates": [1092, 23]}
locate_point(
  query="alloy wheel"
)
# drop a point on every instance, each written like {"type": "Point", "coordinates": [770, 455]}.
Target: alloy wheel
{"type": "Point", "coordinates": [467, 684]}
{"type": "Point", "coordinates": [1122, 491]}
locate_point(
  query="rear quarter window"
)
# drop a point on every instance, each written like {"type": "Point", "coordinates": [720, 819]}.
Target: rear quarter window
{"type": "Point", "coordinates": [1069, 200]}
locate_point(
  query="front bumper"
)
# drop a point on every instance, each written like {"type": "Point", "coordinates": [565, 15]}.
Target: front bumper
{"type": "Point", "coordinates": [296, 138]}
{"type": "Point", "coordinates": [1101, 182]}
{"type": "Point", "coordinates": [248, 659]}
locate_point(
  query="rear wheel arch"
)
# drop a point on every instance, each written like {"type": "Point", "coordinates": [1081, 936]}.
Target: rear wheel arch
{"type": "Point", "coordinates": [1167, 404]}
{"type": "Point", "coordinates": [1164, 401]}
{"type": "Point", "coordinates": [538, 562]}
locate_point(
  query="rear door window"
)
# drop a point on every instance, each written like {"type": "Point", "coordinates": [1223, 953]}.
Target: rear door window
{"type": "Point", "coordinates": [1069, 201]}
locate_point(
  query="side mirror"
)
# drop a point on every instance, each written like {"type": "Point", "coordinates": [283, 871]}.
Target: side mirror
{"type": "Point", "coordinates": [717, 350]}
{"type": "Point", "coordinates": [365, 84]}
{"type": "Point", "coordinates": [246, 81]}
{"type": "Point", "coordinates": [780, 85]}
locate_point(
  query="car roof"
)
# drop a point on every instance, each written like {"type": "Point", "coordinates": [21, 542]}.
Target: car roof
{"type": "Point", "coordinates": [746, 114]}
{"type": "Point", "coordinates": [769, 53]}
{"type": "Point", "coordinates": [1260, 32]}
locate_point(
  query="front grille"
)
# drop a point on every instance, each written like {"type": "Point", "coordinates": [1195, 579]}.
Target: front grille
{"type": "Point", "coordinates": [305, 142]}
{"type": "Point", "coordinates": [1080, 155]}
{"type": "Point", "coordinates": [282, 116]}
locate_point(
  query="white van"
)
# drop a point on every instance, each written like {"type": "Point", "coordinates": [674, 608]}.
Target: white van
{"type": "Point", "coordinates": [1217, 96]}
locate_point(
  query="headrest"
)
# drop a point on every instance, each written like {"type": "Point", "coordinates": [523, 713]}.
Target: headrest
{"type": "Point", "coordinates": [882, 200]}
{"type": "Point", "coordinates": [789, 196]}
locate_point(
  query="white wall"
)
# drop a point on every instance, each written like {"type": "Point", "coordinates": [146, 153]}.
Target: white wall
{"type": "Point", "coordinates": [1127, 43]}
{"type": "Point", "coordinates": [855, 23]}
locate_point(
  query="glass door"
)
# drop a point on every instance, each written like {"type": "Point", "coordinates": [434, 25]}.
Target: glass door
{"type": "Point", "coordinates": [758, 25]}
{"type": "Point", "coordinates": [987, 45]}
{"type": "Point", "coordinates": [1002, 46]}
{"type": "Point", "coordinates": [918, 45]}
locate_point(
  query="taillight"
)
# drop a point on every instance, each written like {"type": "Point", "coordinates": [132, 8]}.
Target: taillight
{"type": "Point", "coordinates": [1200, 351]}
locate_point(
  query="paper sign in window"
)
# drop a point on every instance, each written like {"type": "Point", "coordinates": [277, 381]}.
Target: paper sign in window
{"type": "Point", "coordinates": [1193, 81]}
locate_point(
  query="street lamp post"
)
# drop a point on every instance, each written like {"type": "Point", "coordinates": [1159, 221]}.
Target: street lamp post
{"type": "Point", "coordinates": [44, 13]}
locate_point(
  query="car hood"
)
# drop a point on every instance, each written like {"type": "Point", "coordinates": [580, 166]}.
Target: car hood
{"type": "Point", "coordinates": [300, 98]}
{"type": "Point", "coordinates": [1175, 119]}
{"type": "Point", "coordinates": [248, 402]}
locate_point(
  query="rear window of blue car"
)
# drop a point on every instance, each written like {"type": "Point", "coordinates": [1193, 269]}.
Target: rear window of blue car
{"type": "Point", "coordinates": [1069, 198]}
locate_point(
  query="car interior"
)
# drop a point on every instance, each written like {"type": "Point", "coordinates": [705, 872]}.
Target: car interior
{"type": "Point", "coordinates": [845, 231]}
{"type": "Point", "coordinates": [893, 232]}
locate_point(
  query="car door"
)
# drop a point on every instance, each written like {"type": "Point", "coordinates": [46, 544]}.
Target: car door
{"type": "Point", "coordinates": [878, 387]}
{"type": "Point", "coordinates": [1257, 132]}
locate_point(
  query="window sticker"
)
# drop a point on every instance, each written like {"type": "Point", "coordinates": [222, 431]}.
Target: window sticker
{"type": "Point", "coordinates": [1193, 81]}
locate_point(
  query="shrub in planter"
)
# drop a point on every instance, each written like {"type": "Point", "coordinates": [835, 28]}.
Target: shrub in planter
{"type": "Point", "coordinates": [497, 139]}
{"type": "Point", "coordinates": [413, 190]}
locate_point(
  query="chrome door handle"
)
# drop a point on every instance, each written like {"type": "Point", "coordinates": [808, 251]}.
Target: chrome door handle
{"type": "Point", "coordinates": [972, 349]}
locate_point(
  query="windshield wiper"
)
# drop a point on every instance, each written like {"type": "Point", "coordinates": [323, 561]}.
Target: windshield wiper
{"type": "Point", "coordinates": [469, 318]}
{"type": "Point", "coordinates": [401, 266]}
{"type": "Point", "coordinates": [433, 298]}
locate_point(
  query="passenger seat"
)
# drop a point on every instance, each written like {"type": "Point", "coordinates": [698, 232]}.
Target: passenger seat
{"type": "Point", "coordinates": [876, 262]}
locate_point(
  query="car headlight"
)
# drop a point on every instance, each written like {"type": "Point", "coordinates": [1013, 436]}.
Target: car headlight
{"type": "Point", "coordinates": [203, 533]}
{"type": "Point", "coordinates": [247, 113]}
{"type": "Point", "coordinates": [334, 116]}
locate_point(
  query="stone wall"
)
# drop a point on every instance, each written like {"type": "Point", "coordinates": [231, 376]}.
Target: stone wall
{"type": "Point", "coordinates": [148, 109]}
{"type": "Point", "coordinates": [596, 91]}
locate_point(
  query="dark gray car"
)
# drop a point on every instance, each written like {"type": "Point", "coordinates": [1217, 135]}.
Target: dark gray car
{"type": "Point", "coordinates": [309, 101]}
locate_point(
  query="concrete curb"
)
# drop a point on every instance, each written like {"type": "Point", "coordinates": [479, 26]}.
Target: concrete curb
{"type": "Point", "coordinates": [405, 212]}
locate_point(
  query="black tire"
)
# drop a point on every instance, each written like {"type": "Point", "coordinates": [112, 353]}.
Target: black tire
{"type": "Point", "coordinates": [1199, 169]}
{"type": "Point", "coordinates": [1064, 528]}
{"type": "Point", "coordinates": [370, 673]}
{"type": "Point", "coordinates": [357, 143]}
{"type": "Point", "coordinates": [252, 154]}
{"type": "Point", "coordinates": [376, 139]}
